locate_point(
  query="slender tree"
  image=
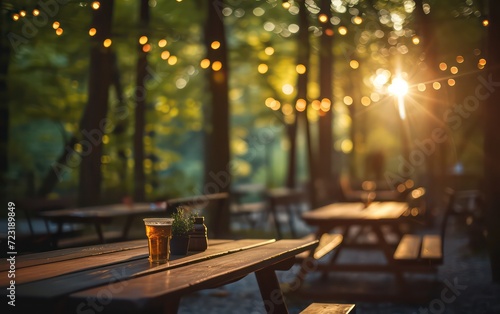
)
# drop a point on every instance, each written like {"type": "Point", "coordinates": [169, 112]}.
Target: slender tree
{"type": "Point", "coordinates": [4, 99]}
{"type": "Point", "coordinates": [93, 123]}
{"type": "Point", "coordinates": [303, 51]}
{"type": "Point", "coordinates": [435, 162]}
{"type": "Point", "coordinates": [492, 141]}
{"type": "Point", "coordinates": [217, 155]}
{"type": "Point", "coordinates": [140, 108]}
{"type": "Point", "coordinates": [326, 61]}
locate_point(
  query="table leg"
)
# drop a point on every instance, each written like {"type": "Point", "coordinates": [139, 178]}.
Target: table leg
{"type": "Point", "coordinates": [291, 222]}
{"type": "Point", "coordinates": [336, 254]}
{"type": "Point", "coordinates": [126, 228]}
{"type": "Point", "coordinates": [171, 305]}
{"type": "Point", "coordinates": [270, 291]}
{"type": "Point", "coordinates": [272, 208]}
{"type": "Point", "coordinates": [99, 232]}
{"type": "Point", "coordinates": [389, 252]}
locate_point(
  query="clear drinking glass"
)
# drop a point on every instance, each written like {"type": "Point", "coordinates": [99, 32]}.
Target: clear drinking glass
{"type": "Point", "coordinates": [159, 232]}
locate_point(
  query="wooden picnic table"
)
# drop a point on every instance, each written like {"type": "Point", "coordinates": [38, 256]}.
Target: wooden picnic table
{"type": "Point", "coordinates": [118, 277]}
{"type": "Point", "coordinates": [103, 214]}
{"type": "Point", "coordinates": [355, 220]}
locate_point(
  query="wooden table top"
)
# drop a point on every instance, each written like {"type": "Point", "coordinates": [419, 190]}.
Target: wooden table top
{"type": "Point", "coordinates": [72, 275]}
{"type": "Point", "coordinates": [355, 212]}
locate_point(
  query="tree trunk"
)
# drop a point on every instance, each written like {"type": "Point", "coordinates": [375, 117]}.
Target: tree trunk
{"type": "Point", "coordinates": [492, 141]}
{"type": "Point", "coordinates": [121, 123]}
{"type": "Point", "coordinates": [140, 108]}
{"type": "Point", "coordinates": [4, 104]}
{"type": "Point", "coordinates": [93, 123]}
{"type": "Point", "coordinates": [435, 167]}
{"type": "Point", "coordinates": [325, 184]}
{"type": "Point", "coordinates": [303, 52]}
{"type": "Point", "coordinates": [217, 156]}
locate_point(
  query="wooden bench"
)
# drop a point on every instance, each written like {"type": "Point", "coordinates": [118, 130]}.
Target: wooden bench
{"type": "Point", "coordinates": [248, 202]}
{"type": "Point", "coordinates": [285, 199]}
{"type": "Point", "coordinates": [308, 259]}
{"type": "Point", "coordinates": [327, 243]}
{"type": "Point", "coordinates": [426, 249]}
{"type": "Point", "coordinates": [328, 308]}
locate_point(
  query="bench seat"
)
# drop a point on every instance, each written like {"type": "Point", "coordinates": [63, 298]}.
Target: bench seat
{"type": "Point", "coordinates": [425, 249]}
{"type": "Point", "coordinates": [327, 243]}
{"type": "Point", "coordinates": [328, 308]}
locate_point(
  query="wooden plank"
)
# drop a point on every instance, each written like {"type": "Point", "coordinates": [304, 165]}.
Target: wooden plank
{"type": "Point", "coordinates": [72, 253]}
{"type": "Point", "coordinates": [328, 308]}
{"type": "Point", "coordinates": [355, 213]}
{"type": "Point", "coordinates": [408, 248]}
{"type": "Point", "coordinates": [327, 243]}
{"type": "Point", "coordinates": [140, 293]}
{"type": "Point", "coordinates": [431, 247]}
{"type": "Point", "coordinates": [65, 277]}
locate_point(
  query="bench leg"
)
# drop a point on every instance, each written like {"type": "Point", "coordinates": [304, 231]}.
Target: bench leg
{"type": "Point", "coordinates": [270, 291]}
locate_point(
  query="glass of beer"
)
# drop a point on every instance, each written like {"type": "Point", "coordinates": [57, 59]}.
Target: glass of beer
{"type": "Point", "coordinates": [159, 232]}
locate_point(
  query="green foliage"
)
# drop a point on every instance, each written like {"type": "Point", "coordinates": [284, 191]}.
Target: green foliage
{"type": "Point", "coordinates": [183, 222]}
{"type": "Point", "coordinates": [48, 78]}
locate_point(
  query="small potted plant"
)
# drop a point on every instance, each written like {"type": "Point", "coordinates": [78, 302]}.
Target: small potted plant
{"type": "Point", "coordinates": [181, 227]}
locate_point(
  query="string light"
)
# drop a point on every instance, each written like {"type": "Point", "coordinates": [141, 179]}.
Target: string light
{"type": "Point", "coordinates": [146, 48]}
{"type": "Point", "coordinates": [59, 31]}
{"type": "Point", "coordinates": [92, 31]}
{"type": "Point", "coordinates": [286, 4]}
{"type": "Point", "coordinates": [165, 54]}
{"type": "Point", "coordinates": [301, 105]}
{"type": "Point", "coordinates": [354, 64]}
{"type": "Point", "coordinates": [15, 17]}
{"type": "Point", "coordinates": [36, 12]}
{"type": "Point", "coordinates": [323, 18]}
{"type": "Point", "coordinates": [96, 5]}
{"type": "Point", "coordinates": [215, 45]}
{"type": "Point", "coordinates": [300, 68]}
{"type": "Point", "coordinates": [262, 68]}
{"type": "Point", "coordinates": [172, 60]}
{"type": "Point", "coordinates": [217, 65]}
{"type": "Point", "coordinates": [56, 25]}
{"type": "Point", "coordinates": [22, 13]}
{"type": "Point", "coordinates": [415, 40]}
{"type": "Point", "coordinates": [107, 43]}
{"type": "Point", "coordinates": [162, 43]}
{"type": "Point", "coordinates": [357, 20]}
{"type": "Point", "coordinates": [205, 63]}
{"type": "Point", "coordinates": [342, 30]}
{"type": "Point", "coordinates": [143, 40]}
{"type": "Point", "coordinates": [269, 51]}
{"type": "Point", "coordinates": [486, 22]}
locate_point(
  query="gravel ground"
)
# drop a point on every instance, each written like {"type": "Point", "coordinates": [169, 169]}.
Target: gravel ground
{"type": "Point", "coordinates": [464, 267]}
